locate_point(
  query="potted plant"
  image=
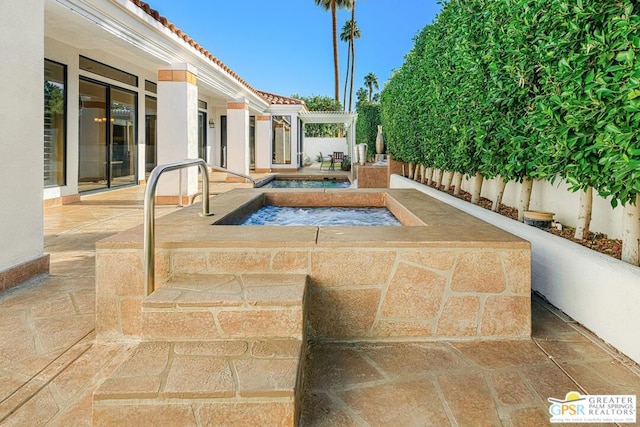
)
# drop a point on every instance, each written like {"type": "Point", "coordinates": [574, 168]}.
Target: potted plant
{"type": "Point", "coordinates": [539, 219]}
{"type": "Point", "coordinates": [345, 165]}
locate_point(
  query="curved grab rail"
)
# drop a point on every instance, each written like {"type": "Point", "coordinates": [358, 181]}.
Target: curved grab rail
{"type": "Point", "coordinates": [149, 212]}
{"type": "Point", "coordinates": [219, 169]}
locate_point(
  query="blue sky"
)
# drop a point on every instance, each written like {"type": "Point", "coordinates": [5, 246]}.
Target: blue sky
{"type": "Point", "coordinates": [284, 47]}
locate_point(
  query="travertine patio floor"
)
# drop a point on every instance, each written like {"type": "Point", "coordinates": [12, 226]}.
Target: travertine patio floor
{"type": "Point", "coordinates": [50, 364]}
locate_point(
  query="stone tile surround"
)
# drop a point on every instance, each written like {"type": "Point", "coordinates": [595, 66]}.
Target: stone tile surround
{"type": "Point", "coordinates": [63, 392]}
{"type": "Point", "coordinates": [446, 275]}
{"type": "Point", "coordinates": [27, 270]}
{"type": "Point", "coordinates": [197, 383]}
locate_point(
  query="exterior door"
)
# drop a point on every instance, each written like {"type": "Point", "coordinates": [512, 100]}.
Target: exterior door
{"type": "Point", "coordinates": [107, 136]}
{"type": "Point", "coordinates": [223, 141]}
{"type": "Point", "coordinates": [150, 132]}
{"type": "Point", "coordinates": [122, 138]}
{"type": "Point", "coordinates": [93, 170]}
{"type": "Point", "coordinates": [202, 135]}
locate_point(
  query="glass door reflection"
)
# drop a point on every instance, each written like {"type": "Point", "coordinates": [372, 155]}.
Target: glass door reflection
{"type": "Point", "coordinates": [92, 168]}
{"type": "Point", "coordinates": [107, 136]}
{"type": "Point", "coordinates": [123, 137]}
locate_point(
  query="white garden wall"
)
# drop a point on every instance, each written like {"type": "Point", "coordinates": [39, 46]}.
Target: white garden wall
{"type": "Point", "coordinates": [313, 146]}
{"type": "Point", "coordinates": [558, 199]}
{"type": "Point", "coordinates": [600, 292]}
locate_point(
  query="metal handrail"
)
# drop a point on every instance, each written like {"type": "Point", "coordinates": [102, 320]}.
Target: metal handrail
{"type": "Point", "coordinates": [149, 212]}
{"type": "Point", "coordinates": [248, 177]}
{"type": "Point", "coordinates": [219, 169]}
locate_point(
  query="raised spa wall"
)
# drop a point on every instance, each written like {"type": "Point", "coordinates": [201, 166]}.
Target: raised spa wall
{"type": "Point", "coordinates": [443, 275]}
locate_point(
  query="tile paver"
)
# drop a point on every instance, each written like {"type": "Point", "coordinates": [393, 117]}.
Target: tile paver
{"type": "Point", "coordinates": [50, 364]}
{"type": "Point", "coordinates": [478, 383]}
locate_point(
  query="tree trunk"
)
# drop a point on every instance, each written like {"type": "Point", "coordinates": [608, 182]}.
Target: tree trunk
{"type": "Point", "coordinates": [631, 232]}
{"type": "Point", "coordinates": [525, 197]}
{"type": "Point", "coordinates": [477, 188]}
{"type": "Point", "coordinates": [353, 51]}
{"type": "Point", "coordinates": [416, 172]}
{"type": "Point", "coordinates": [410, 171]}
{"type": "Point", "coordinates": [440, 178]}
{"type": "Point", "coordinates": [584, 215]}
{"type": "Point", "coordinates": [346, 77]}
{"type": "Point", "coordinates": [500, 184]}
{"type": "Point", "coordinates": [429, 179]}
{"type": "Point", "coordinates": [447, 181]}
{"type": "Point", "coordinates": [443, 179]}
{"type": "Point", "coordinates": [457, 183]}
{"type": "Point", "coordinates": [423, 170]}
{"type": "Point", "coordinates": [336, 70]}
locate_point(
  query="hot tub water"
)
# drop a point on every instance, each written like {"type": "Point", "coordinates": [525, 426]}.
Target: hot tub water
{"type": "Point", "coordinates": [329, 216]}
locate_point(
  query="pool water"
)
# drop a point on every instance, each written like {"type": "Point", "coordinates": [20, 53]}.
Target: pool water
{"type": "Point", "coordinates": [317, 183]}
{"type": "Point", "coordinates": [278, 215]}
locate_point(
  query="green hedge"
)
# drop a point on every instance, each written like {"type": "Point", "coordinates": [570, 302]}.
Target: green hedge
{"type": "Point", "coordinates": [523, 88]}
{"type": "Point", "coordinates": [367, 125]}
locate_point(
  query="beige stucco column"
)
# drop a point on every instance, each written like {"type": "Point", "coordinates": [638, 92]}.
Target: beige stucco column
{"type": "Point", "coordinates": [22, 145]}
{"type": "Point", "coordinates": [238, 138]}
{"type": "Point", "coordinates": [263, 143]}
{"type": "Point", "coordinates": [177, 129]}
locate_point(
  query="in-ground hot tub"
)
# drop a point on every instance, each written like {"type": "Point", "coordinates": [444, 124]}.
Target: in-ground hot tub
{"type": "Point", "coordinates": [328, 216]}
{"type": "Point", "coordinates": [443, 274]}
{"type": "Point", "coordinates": [319, 209]}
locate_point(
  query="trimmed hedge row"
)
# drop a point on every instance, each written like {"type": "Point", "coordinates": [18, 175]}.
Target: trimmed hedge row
{"type": "Point", "coordinates": [367, 125]}
{"type": "Point", "coordinates": [524, 89]}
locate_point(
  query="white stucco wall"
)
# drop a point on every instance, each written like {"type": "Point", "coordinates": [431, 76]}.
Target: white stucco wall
{"type": "Point", "coordinates": [600, 292]}
{"type": "Point", "coordinates": [263, 142]}
{"type": "Point", "coordinates": [326, 146]}
{"type": "Point", "coordinates": [558, 199]}
{"type": "Point", "coordinates": [178, 131]}
{"type": "Point", "coordinates": [21, 138]}
{"type": "Point", "coordinates": [238, 137]}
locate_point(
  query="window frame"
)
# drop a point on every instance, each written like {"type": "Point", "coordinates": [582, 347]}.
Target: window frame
{"type": "Point", "coordinates": [65, 117]}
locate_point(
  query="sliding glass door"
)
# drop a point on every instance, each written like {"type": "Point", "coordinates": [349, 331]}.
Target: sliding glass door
{"type": "Point", "coordinates": [92, 171]}
{"type": "Point", "coordinates": [150, 132]}
{"type": "Point", "coordinates": [123, 137]}
{"type": "Point", "coordinates": [107, 136]}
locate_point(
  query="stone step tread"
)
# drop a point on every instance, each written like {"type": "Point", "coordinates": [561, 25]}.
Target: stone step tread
{"type": "Point", "coordinates": [228, 290]}
{"type": "Point", "coordinates": [230, 370]}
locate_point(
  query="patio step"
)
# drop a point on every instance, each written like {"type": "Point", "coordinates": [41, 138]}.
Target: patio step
{"type": "Point", "coordinates": [208, 307]}
{"type": "Point", "coordinates": [235, 382]}
{"type": "Point", "coordinates": [217, 349]}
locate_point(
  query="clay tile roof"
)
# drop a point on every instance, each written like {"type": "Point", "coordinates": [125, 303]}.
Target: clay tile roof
{"type": "Point", "coordinates": [269, 97]}
{"type": "Point", "coordinates": [280, 100]}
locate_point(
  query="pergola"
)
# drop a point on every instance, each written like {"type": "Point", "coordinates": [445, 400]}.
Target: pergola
{"type": "Point", "coordinates": [323, 117]}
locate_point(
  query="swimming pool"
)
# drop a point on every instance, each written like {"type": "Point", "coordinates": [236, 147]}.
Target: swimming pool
{"type": "Point", "coordinates": [307, 183]}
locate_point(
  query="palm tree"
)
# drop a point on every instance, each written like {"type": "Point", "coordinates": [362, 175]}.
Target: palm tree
{"type": "Point", "coordinates": [350, 32]}
{"type": "Point", "coordinates": [353, 50]}
{"type": "Point", "coordinates": [332, 5]}
{"type": "Point", "coordinates": [371, 81]}
{"type": "Point", "coordinates": [361, 96]}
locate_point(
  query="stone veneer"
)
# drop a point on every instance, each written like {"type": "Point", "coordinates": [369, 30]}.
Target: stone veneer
{"type": "Point", "coordinates": [444, 275]}
{"type": "Point", "coordinates": [18, 274]}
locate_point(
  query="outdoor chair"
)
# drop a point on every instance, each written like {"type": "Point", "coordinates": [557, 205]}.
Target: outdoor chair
{"type": "Point", "coordinates": [338, 156]}
{"type": "Point", "coordinates": [326, 159]}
